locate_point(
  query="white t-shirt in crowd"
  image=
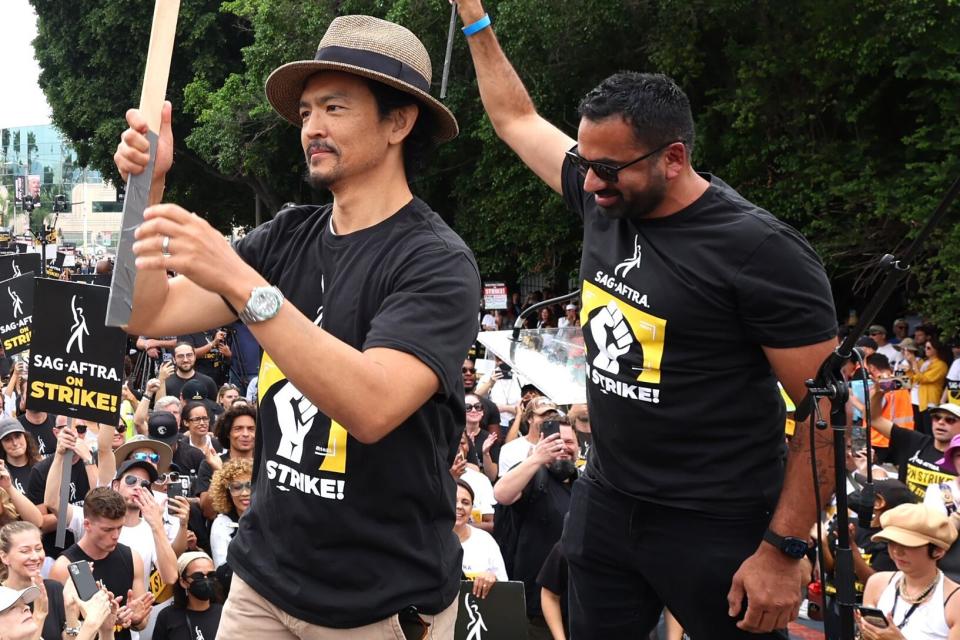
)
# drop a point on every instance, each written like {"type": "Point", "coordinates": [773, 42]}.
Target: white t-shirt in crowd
{"type": "Point", "coordinates": [891, 352]}
{"type": "Point", "coordinates": [481, 553]}
{"type": "Point", "coordinates": [512, 454]}
{"type": "Point", "coordinates": [506, 393]}
{"type": "Point", "coordinates": [482, 490]}
{"type": "Point", "coordinates": [221, 533]}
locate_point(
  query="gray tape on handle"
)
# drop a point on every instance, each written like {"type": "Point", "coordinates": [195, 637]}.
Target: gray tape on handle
{"type": "Point", "coordinates": [64, 498]}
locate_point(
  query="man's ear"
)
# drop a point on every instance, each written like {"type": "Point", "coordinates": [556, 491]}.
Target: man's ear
{"type": "Point", "coordinates": [402, 121]}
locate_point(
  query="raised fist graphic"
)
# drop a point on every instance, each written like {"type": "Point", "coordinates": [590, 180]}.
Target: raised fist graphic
{"type": "Point", "coordinates": [620, 337]}
{"type": "Point", "coordinates": [295, 415]}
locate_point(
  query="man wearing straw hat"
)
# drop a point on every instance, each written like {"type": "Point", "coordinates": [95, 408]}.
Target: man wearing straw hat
{"type": "Point", "coordinates": [364, 309]}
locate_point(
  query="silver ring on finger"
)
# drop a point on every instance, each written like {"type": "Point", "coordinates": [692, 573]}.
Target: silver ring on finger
{"type": "Point", "coordinates": [165, 247]}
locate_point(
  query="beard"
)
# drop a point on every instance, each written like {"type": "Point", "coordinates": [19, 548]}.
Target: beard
{"type": "Point", "coordinates": [562, 470]}
{"type": "Point", "coordinates": [636, 205]}
{"type": "Point", "coordinates": [322, 181]}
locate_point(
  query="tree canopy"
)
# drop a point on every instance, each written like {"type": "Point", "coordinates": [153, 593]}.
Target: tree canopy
{"type": "Point", "coordinates": [842, 118]}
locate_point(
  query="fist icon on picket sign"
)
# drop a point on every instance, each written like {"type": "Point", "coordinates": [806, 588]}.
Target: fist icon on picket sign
{"type": "Point", "coordinates": [613, 345]}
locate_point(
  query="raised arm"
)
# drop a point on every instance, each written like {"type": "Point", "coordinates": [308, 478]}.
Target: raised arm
{"type": "Point", "coordinates": [539, 144]}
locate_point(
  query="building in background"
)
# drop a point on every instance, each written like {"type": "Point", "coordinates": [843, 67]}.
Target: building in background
{"type": "Point", "coordinates": [39, 162]}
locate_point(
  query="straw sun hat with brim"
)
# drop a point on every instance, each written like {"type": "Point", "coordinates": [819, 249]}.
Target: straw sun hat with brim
{"type": "Point", "coordinates": [915, 525]}
{"type": "Point", "coordinates": [371, 48]}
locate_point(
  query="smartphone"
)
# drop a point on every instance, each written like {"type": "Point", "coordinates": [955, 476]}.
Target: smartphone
{"type": "Point", "coordinates": [176, 489]}
{"type": "Point", "coordinates": [506, 372]}
{"type": "Point", "coordinates": [876, 617]}
{"type": "Point", "coordinates": [549, 428]}
{"type": "Point", "coordinates": [83, 579]}
{"type": "Point", "coordinates": [892, 384]}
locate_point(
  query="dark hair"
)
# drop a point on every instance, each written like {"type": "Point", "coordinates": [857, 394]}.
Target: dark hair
{"type": "Point", "coordinates": [104, 502]}
{"type": "Point", "coordinates": [225, 421]}
{"type": "Point", "coordinates": [33, 449]}
{"type": "Point", "coordinates": [187, 408]}
{"type": "Point", "coordinates": [418, 144]}
{"type": "Point", "coordinates": [943, 351]}
{"type": "Point", "coordinates": [652, 103]}
{"type": "Point", "coordinates": [184, 343]}
{"type": "Point", "coordinates": [463, 484]}
{"type": "Point", "coordinates": [879, 360]}
{"type": "Point", "coordinates": [894, 493]}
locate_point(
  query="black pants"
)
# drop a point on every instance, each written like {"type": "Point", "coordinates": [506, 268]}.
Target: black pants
{"type": "Point", "coordinates": [628, 559]}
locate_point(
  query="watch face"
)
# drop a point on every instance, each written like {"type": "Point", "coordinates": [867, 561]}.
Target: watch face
{"type": "Point", "coordinates": [264, 303]}
{"type": "Point", "coordinates": [794, 547]}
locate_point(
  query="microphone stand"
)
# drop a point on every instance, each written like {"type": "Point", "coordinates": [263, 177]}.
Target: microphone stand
{"type": "Point", "coordinates": [829, 383]}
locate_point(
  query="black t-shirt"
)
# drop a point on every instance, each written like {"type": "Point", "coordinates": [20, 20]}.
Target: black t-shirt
{"type": "Point", "coordinates": [116, 572]}
{"type": "Point", "coordinates": [189, 460]}
{"type": "Point", "coordinates": [684, 406]}
{"type": "Point", "coordinates": [43, 432]}
{"type": "Point", "coordinates": [205, 475]}
{"type": "Point", "coordinates": [212, 364]}
{"type": "Point", "coordinates": [553, 577]}
{"type": "Point", "coordinates": [56, 614]}
{"type": "Point", "coordinates": [538, 515]}
{"type": "Point", "coordinates": [20, 476]}
{"type": "Point", "coordinates": [175, 385]}
{"type": "Point", "coordinates": [37, 485]}
{"type": "Point", "coordinates": [336, 557]}
{"type": "Point", "coordinates": [176, 623]}
{"type": "Point", "coordinates": [916, 458]}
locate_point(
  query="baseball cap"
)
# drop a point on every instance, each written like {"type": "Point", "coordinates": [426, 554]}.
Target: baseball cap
{"type": "Point", "coordinates": [186, 558]}
{"type": "Point", "coordinates": [571, 307]}
{"type": "Point", "coordinates": [948, 407]}
{"type": "Point", "coordinates": [143, 464]}
{"type": "Point", "coordinates": [10, 597]}
{"type": "Point", "coordinates": [162, 426]}
{"type": "Point", "coordinates": [8, 426]}
{"type": "Point", "coordinates": [916, 525]}
{"type": "Point", "coordinates": [541, 405]}
{"type": "Point", "coordinates": [877, 328]}
{"type": "Point", "coordinates": [194, 390]}
{"type": "Point", "coordinates": [868, 342]}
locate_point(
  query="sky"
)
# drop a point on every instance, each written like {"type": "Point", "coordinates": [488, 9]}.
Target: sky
{"type": "Point", "coordinates": [22, 103]}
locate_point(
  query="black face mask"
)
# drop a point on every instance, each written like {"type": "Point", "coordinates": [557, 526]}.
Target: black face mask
{"type": "Point", "coordinates": [562, 470]}
{"type": "Point", "coordinates": [203, 589]}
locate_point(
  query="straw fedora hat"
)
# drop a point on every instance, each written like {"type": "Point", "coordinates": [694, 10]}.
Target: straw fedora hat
{"type": "Point", "coordinates": [371, 48]}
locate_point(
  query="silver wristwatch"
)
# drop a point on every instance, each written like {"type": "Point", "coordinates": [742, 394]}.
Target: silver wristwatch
{"type": "Point", "coordinates": [263, 304]}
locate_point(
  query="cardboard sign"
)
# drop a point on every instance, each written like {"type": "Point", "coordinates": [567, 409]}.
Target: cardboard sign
{"type": "Point", "coordinates": [13, 265]}
{"type": "Point", "coordinates": [494, 295]}
{"type": "Point", "coordinates": [76, 362]}
{"type": "Point", "coordinates": [502, 615]}
{"type": "Point", "coordinates": [16, 313]}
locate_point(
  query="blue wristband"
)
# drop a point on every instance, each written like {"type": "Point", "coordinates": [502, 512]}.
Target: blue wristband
{"type": "Point", "coordinates": [479, 25]}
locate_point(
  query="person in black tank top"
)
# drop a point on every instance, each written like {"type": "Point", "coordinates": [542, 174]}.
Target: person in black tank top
{"type": "Point", "coordinates": [117, 565]}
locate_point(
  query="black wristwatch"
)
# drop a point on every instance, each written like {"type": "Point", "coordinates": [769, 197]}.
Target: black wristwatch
{"type": "Point", "coordinates": [795, 548]}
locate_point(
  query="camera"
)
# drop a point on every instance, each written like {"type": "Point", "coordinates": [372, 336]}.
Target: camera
{"type": "Point", "coordinates": [506, 372]}
{"type": "Point", "coordinates": [890, 384]}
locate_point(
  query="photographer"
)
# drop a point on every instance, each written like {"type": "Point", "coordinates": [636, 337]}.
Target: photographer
{"type": "Point", "coordinates": [536, 493]}
{"type": "Point", "coordinates": [212, 353]}
{"type": "Point", "coordinates": [897, 407]}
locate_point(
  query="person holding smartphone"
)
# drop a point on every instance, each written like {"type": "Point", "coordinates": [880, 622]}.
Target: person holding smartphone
{"type": "Point", "coordinates": [916, 602]}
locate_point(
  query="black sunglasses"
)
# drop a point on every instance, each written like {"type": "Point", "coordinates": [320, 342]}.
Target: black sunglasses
{"type": "Point", "coordinates": [199, 575]}
{"type": "Point", "coordinates": [475, 407]}
{"type": "Point", "coordinates": [604, 171]}
{"type": "Point", "coordinates": [134, 480]}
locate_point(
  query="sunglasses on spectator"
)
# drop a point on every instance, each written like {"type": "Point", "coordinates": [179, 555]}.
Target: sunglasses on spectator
{"type": "Point", "coordinates": [166, 478]}
{"type": "Point", "coordinates": [240, 487]}
{"type": "Point", "coordinates": [475, 407]}
{"type": "Point", "coordinates": [604, 171]}
{"type": "Point", "coordinates": [198, 419]}
{"type": "Point", "coordinates": [146, 457]}
{"type": "Point", "coordinates": [199, 575]}
{"type": "Point", "coordinates": [132, 481]}
{"type": "Point", "coordinates": [945, 418]}
{"type": "Point", "coordinates": [468, 370]}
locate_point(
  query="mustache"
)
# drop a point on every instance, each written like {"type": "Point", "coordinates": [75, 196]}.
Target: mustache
{"type": "Point", "coordinates": [317, 146]}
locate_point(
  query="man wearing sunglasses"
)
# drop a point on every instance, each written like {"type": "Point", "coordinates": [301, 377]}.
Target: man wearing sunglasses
{"type": "Point", "coordinates": [917, 454]}
{"type": "Point", "coordinates": [694, 303]}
